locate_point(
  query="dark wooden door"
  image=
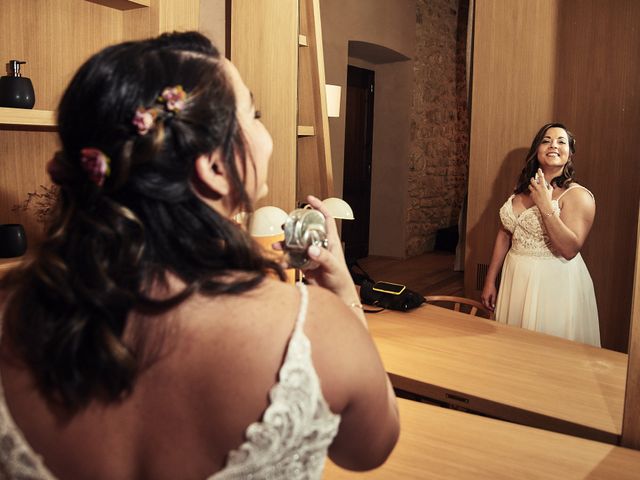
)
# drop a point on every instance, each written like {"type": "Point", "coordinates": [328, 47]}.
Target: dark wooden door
{"type": "Point", "coordinates": [356, 187]}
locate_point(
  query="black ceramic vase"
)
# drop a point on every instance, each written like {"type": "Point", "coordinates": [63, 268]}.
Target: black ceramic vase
{"type": "Point", "coordinates": [16, 91]}
{"type": "Point", "coordinates": [13, 240]}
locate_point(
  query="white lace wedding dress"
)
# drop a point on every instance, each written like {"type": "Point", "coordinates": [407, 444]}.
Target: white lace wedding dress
{"type": "Point", "coordinates": [541, 290]}
{"type": "Point", "coordinates": [290, 442]}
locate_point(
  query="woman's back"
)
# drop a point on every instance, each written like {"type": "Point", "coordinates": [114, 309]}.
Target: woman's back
{"type": "Point", "coordinates": [147, 332]}
{"type": "Point", "coordinates": [192, 407]}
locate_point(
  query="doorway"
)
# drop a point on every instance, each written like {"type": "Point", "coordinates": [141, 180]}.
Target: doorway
{"type": "Point", "coordinates": [358, 147]}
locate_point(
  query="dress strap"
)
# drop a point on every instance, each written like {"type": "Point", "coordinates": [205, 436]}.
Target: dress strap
{"type": "Point", "coordinates": [571, 188]}
{"type": "Point", "coordinates": [304, 302]}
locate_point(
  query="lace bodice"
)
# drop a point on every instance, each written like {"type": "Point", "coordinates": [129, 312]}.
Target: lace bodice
{"type": "Point", "coordinates": [528, 235]}
{"type": "Point", "coordinates": [290, 442]}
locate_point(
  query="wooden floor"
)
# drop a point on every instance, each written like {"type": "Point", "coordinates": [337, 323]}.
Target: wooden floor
{"type": "Point", "coordinates": [428, 274]}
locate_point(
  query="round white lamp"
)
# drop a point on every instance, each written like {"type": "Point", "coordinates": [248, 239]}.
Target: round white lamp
{"type": "Point", "coordinates": [265, 227]}
{"type": "Point", "coordinates": [338, 208]}
{"type": "Point", "coordinates": [267, 221]}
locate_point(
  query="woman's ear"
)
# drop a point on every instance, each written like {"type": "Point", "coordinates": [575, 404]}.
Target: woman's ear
{"type": "Point", "coordinates": [211, 176]}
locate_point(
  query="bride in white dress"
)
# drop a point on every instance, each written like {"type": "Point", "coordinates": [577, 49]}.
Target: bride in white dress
{"type": "Point", "coordinates": [545, 284]}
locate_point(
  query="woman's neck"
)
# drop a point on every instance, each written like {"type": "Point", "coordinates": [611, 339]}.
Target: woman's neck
{"type": "Point", "coordinates": [551, 172]}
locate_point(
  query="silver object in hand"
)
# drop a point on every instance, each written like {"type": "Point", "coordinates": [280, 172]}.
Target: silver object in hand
{"type": "Point", "coordinates": [304, 227]}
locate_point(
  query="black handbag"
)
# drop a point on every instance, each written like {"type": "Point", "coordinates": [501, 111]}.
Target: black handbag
{"type": "Point", "coordinates": [388, 295]}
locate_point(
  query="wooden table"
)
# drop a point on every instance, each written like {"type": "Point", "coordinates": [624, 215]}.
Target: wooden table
{"type": "Point", "coordinates": [505, 372]}
{"type": "Point", "coordinates": [438, 443]}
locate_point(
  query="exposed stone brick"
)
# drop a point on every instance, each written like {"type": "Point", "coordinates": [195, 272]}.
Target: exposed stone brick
{"type": "Point", "coordinates": [438, 155]}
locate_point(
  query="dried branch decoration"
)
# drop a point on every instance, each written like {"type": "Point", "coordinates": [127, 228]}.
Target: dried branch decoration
{"type": "Point", "coordinates": [41, 202]}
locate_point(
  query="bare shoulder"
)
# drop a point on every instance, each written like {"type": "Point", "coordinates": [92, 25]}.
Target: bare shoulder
{"type": "Point", "coordinates": [354, 383]}
{"type": "Point", "coordinates": [329, 317]}
{"type": "Point", "coordinates": [343, 351]}
{"type": "Point", "coordinates": [578, 193]}
{"type": "Point", "coordinates": [577, 204]}
{"type": "Point", "coordinates": [271, 304]}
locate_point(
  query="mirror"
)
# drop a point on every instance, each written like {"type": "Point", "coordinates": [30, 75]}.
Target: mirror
{"type": "Point", "coordinates": [529, 67]}
{"type": "Point", "coordinates": [540, 73]}
{"type": "Point", "coordinates": [551, 80]}
{"type": "Point", "coordinates": [551, 75]}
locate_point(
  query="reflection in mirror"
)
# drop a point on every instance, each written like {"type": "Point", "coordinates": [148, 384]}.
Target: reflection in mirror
{"type": "Point", "coordinates": [528, 67]}
{"type": "Point", "coordinates": [553, 80]}
{"type": "Point", "coordinates": [545, 285]}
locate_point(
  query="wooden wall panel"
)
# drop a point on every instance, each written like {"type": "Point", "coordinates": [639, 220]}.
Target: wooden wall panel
{"type": "Point", "coordinates": [512, 96]}
{"type": "Point", "coordinates": [598, 95]}
{"type": "Point", "coordinates": [54, 37]}
{"type": "Point", "coordinates": [264, 44]}
{"type": "Point", "coordinates": [23, 156]}
{"type": "Point", "coordinates": [161, 16]}
{"type": "Point", "coordinates": [179, 16]}
{"type": "Point", "coordinates": [530, 67]}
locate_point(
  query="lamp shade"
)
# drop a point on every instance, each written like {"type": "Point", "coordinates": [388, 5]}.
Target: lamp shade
{"type": "Point", "coordinates": [265, 227]}
{"type": "Point", "coordinates": [338, 208]}
{"type": "Point", "coordinates": [333, 100]}
{"type": "Point", "coordinates": [267, 221]}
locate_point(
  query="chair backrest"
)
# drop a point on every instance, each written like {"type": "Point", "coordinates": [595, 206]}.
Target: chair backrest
{"type": "Point", "coordinates": [461, 304]}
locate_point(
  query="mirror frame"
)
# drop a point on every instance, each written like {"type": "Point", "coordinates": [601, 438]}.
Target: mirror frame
{"type": "Point", "coordinates": [631, 414]}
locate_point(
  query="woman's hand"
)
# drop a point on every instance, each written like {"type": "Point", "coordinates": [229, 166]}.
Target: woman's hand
{"type": "Point", "coordinates": [332, 272]}
{"type": "Point", "coordinates": [541, 192]}
{"type": "Point", "coordinates": [488, 297]}
{"type": "Point", "coordinates": [500, 249]}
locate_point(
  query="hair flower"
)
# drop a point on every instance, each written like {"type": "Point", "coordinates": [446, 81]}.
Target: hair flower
{"type": "Point", "coordinates": [144, 119]}
{"type": "Point", "coordinates": [95, 164]}
{"type": "Point", "coordinates": [174, 98]}
{"type": "Point", "coordinates": [170, 101]}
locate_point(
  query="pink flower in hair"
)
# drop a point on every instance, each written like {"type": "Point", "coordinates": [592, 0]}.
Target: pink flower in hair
{"type": "Point", "coordinates": [174, 98]}
{"type": "Point", "coordinates": [144, 119]}
{"type": "Point", "coordinates": [95, 164]}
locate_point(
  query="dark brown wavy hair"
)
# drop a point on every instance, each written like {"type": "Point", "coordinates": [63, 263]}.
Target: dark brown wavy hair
{"type": "Point", "coordinates": [107, 246]}
{"type": "Point", "coordinates": [531, 161]}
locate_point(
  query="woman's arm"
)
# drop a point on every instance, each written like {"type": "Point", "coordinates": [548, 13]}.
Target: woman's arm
{"type": "Point", "coordinates": [500, 249]}
{"type": "Point", "coordinates": [569, 230]}
{"type": "Point", "coordinates": [332, 272]}
{"type": "Point", "coordinates": [354, 383]}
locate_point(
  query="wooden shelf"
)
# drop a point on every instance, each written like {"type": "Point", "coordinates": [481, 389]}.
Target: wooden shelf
{"type": "Point", "coordinates": [302, 41]}
{"type": "Point", "coordinates": [7, 264]}
{"type": "Point", "coordinates": [123, 4]}
{"type": "Point", "coordinates": [306, 131]}
{"type": "Point", "coordinates": [22, 117]}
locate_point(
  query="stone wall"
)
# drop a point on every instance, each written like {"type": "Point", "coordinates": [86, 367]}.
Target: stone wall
{"type": "Point", "coordinates": [439, 144]}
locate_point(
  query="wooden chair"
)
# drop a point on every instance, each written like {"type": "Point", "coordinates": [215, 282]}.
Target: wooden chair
{"type": "Point", "coordinates": [461, 304]}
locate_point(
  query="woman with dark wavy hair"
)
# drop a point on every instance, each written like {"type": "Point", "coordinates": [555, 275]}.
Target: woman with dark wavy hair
{"type": "Point", "coordinates": [148, 337]}
{"type": "Point", "coordinates": [545, 284]}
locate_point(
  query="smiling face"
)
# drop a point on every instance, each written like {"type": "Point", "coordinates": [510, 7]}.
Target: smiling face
{"type": "Point", "coordinates": [259, 144]}
{"type": "Point", "coordinates": [554, 151]}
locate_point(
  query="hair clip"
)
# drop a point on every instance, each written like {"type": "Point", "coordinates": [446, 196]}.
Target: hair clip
{"type": "Point", "coordinates": [144, 119]}
{"type": "Point", "coordinates": [174, 98]}
{"type": "Point", "coordinates": [95, 164]}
